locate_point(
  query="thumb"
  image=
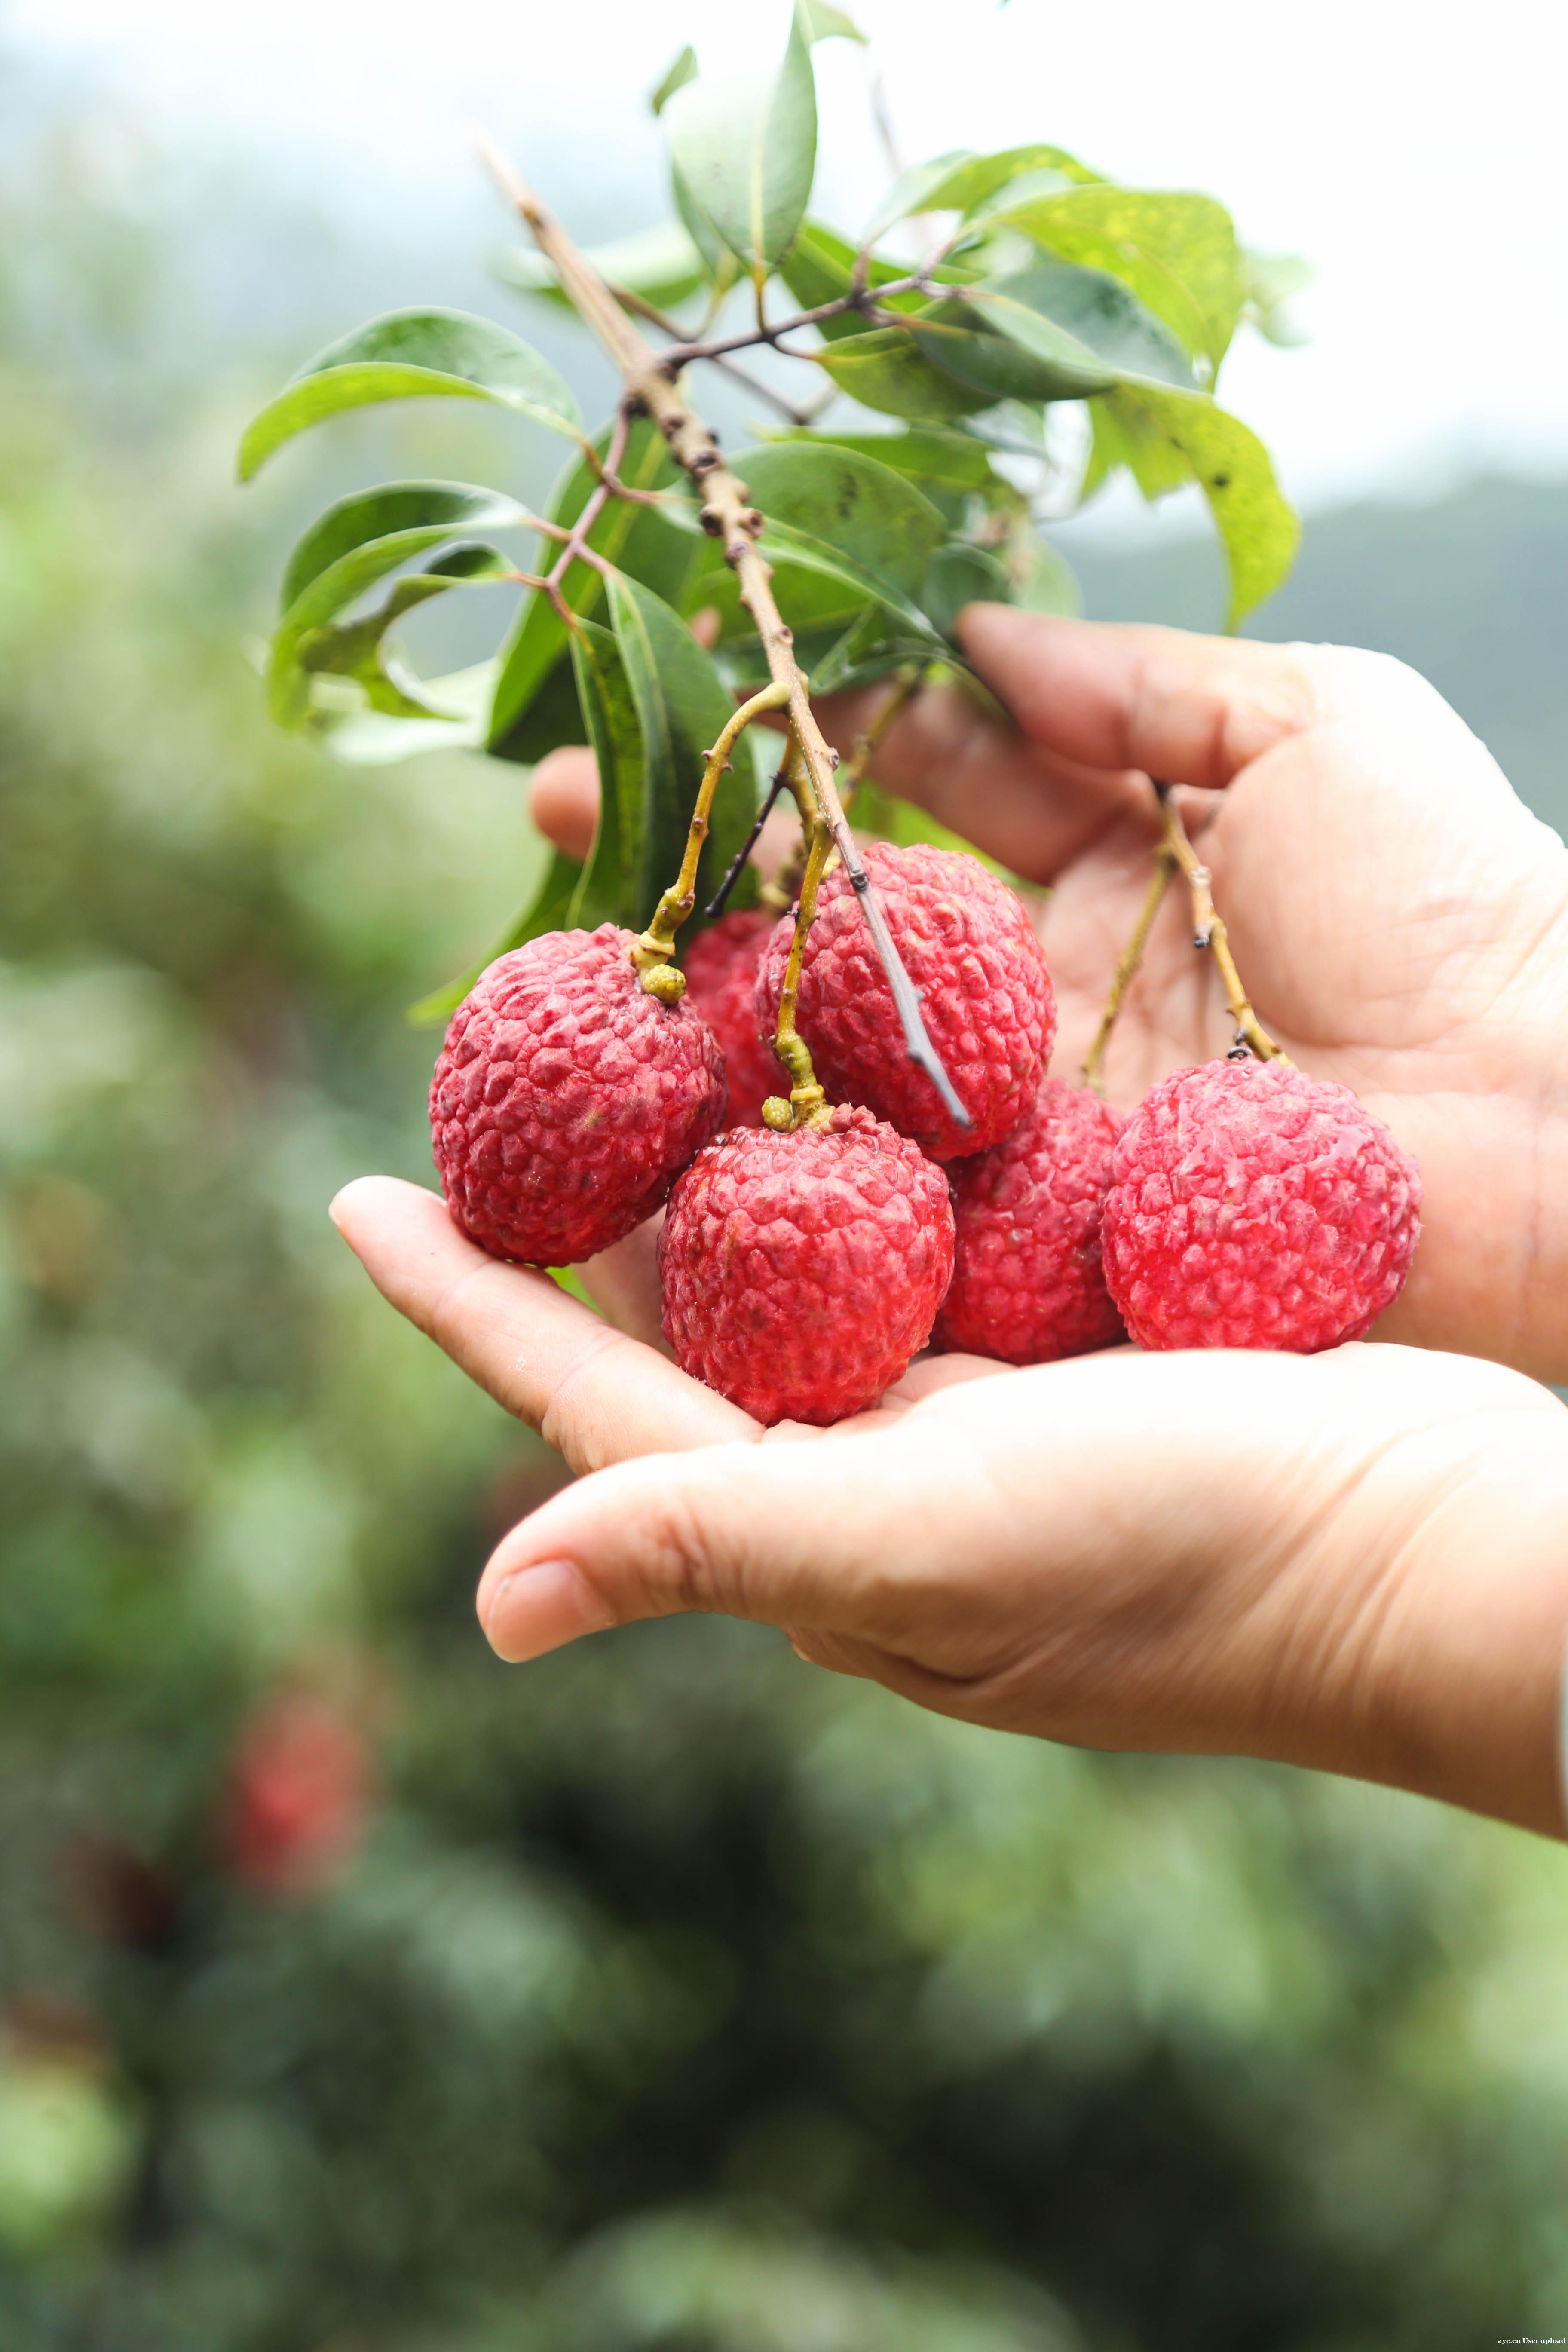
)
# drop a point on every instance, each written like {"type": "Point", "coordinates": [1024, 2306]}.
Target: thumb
{"type": "Point", "coordinates": [794, 1532]}
{"type": "Point", "coordinates": [1189, 709]}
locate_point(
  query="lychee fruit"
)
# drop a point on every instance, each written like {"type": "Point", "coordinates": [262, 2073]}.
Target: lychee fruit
{"type": "Point", "coordinates": [985, 991]}
{"type": "Point", "coordinates": [1027, 1285]}
{"type": "Point", "coordinates": [801, 1271]}
{"type": "Point", "coordinates": [1252, 1207]}
{"type": "Point", "coordinates": [566, 1100]}
{"type": "Point", "coordinates": [721, 968]}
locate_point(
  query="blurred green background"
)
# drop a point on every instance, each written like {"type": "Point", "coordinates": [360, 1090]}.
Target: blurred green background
{"type": "Point", "coordinates": [358, 1994]}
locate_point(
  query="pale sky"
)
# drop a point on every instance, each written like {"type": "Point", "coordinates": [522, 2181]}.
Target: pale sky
{"type": "Point", "coordinates": [1415, 153]}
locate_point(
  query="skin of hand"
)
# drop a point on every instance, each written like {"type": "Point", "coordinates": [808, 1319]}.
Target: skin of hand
{"type": "Point", "coordinates": [1352, 1560]}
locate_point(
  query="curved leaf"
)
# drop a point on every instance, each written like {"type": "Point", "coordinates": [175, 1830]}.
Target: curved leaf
{"type": "Point", "coordinates": [681, 705]}
{"type": "Point", "coordinates": [862, 510]}
{"type": "Point", "coordinates": [681, 69]}
{"type": "Point", "coordinates": [820, 22]}
{"type": "Point", "coordinates": [607, 889]}
{"type": "Point", "coordinates": [458, 714]}
{"type": "Point", "coordinates": [357, 542]}
{"type": "Point", "coordinates": [406, 355]}
{"type": "Point", "coordinates": [961, 573]}
{"type": "Point", "coordinates": [359, 650]}
{"type": "Point", "coordinates": [820, 267]}
{"type": "Point", "coordinates": [1085, 318]}
{"type": "Point", "coordinates": [638, 540]}
{"type": "Point", "coordinates": [1177, 252]}
{"type": "Point", "coordinates": [1258, 526]}
{"type": "Point", "coordinates": [885, 369]}
{"type": "Point", "coordinates": [1054, 366]}
{"type": "Point", "coordinates": [660, 263]}
{"type": "Point", "coordinates": [958, 181]}
{"type": "Point", "coordinates": [745, 152]}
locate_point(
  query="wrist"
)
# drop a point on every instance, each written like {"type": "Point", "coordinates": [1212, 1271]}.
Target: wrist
{"type": "Point", "coordinates": [1451, 1685]}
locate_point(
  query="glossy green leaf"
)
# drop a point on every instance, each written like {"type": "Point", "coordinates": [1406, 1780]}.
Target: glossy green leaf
{"type": "Point", "coordinates": [720, 265]}
{"type": "Point", "coordinates": [949, 461]}
{"type": "Point", "coordinates": [864, 510]}
{"type": "Point", "coordinates": [660, 263]}
{"type": "Point", "coordinates": [547, 910]}
{"type": "Point", "coordinates": [681, 69]}
{"type": "Point", "coordinates": [407, 355]}
{"type": "Point", "coordinates": [681, 705]}
{"type": "Point", "coordinates": [1177, 252]}
{"type": "Point", "coordinates": [1258, 526]}
{"type": "Point", "coordinates": [960, 574]}
{"type": "Point", "coordinates": [820, 22]}
{"type": "Point", "coordinates": [960, 180]}
{"type": "Point", "coordinates": [992, 366]}
{"type": "Point", "coordinates": [357, 542]}
{"type": "Point", "coordinates": [607, 888]}
{"type": "Point", "coordinates": [360, 650]}
{"type": "Point", "coordinates": [1126, 434]}
{"type": "Point", "coordinates": [459, 705]}
{"type": "Point", "coordinates": [885, 369]}
{"type": "Point", "coordinates": [1081, 321]}
{"type": "Point", "coordinates": [638, 540]}
{"type": "Point", "coordinates": [745, 152]}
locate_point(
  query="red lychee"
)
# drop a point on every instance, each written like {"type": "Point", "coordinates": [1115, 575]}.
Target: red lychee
{"type": "Point", "coordinates": [566, 1100]}
{"type": "Point", "coordinates": [298, 1800]}
{"type": "Point", "coordinates": [721, 968]}
{"type": "Point", "coordinates": [1027, 1286]}
{"type": "Point", "coordinates": [801, 1271]}
{"type": "Point", "coordinates": [1252, 1207]}
{"type": "Point", "coordinates": [985, 991]}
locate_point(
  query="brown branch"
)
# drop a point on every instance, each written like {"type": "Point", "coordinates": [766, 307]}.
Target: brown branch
{"type": "Point", "coordinates": [1209, 931]}
{"type": "Point", "coordinates": [728, 515]}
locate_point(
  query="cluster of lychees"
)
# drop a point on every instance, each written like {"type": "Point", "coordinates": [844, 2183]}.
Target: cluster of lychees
{"type": "Point", "coordinates": [1242, 1205]}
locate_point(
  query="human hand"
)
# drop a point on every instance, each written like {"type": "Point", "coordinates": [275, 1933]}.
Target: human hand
{"type": "Point", "coordinates": [1398, 916]}
{"type": "Point", "coordinates": [1351, 1560]}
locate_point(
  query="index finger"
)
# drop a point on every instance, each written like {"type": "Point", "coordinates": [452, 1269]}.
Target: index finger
{"type": "Point", "coordinates": [595, 1395]}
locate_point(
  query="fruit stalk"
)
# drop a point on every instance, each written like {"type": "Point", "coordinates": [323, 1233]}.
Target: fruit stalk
{"type": "Point", "coordinates": [807, 1104]}
{"type": "Point", "coordinates": [728, 515]}
{"type": "Point", "coordinates": [863, 750]}
{"type": "Point", "coordinates": [1127, 965]}
{"type": "Point", "coordinates": [1209, 931]}
{"type": "Point", "coordinates": [652, 952]}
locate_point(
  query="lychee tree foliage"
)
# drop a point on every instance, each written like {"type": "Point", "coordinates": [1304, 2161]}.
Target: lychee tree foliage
{"type": "Point", "coordinates": [942, 348]}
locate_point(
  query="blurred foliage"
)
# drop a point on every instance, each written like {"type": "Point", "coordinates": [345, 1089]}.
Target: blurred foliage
{"type": "Point", "coordinates": [358, 1994]}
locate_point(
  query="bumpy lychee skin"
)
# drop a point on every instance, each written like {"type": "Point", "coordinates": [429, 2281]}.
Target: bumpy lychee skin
{"type": "Point", "coordinates": [566, 1100]}
{"type": "Point", "coordinates": [1251, 1206]}
{"type": "Point", "coordinates": [1027, 1285]}
{"type": "Point", "coordinates": [721, 968]}
{"type": "Point", "coordinates": [801, 1272]}
{"type": "Point", "coordinates": [985, 991]}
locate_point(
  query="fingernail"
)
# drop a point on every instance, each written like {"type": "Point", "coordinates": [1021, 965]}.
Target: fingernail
{"type": "Point", "coordinates": [537, 1608]}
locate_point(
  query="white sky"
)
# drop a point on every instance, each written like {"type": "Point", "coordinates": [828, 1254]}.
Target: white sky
{"type": "Point", "coordinates": [1414, 152]}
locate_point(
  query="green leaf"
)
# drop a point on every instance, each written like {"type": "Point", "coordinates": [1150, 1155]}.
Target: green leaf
{"type": "Point", "coordinates": [885, 369]}
{"type": "Point", "coordinates": [718, 261]}
{"type": "Point", "coordinates": [608, 890]}
{"type": "Point", "coordinates": [1177, 252]}
{"type": "Point", "coordinates": [861, 508]}
{"type": "Point", "coordinates": [681, 69]}
{"type": "Point", "coordinates": [961, 573]}
{"type": "Point", "coordinates": [407, 355]}
{"type": "Point", "coordinates": [637, 539]}
{"type": "Point", "coordinates": [1129, 435]}
{"type": "Point", "coordinates": [1083, 322]}
{"type": "Point", "coordinates": [1258, 526]}
{"type": "Point", "coordinates": [459, 707]}
{"type": "Point", "coordinates": [996, 366]}
{"type": "Point", "coordinates": [1043, 581]}
{"type": "Point", "coordinates": [681, 705]}
{"type": "Point", "coordinates": [950, 467]}
{"type": "Point", "coordinates": [359, 650]}
{"type": "Point", "coordinates": [660, 263]}
{"type": "Point", "coordinates": [959, 181]}
{"type": "Point", "coordinates": [357, 542]}
{"type": "Point", "coordinates": [819, 22]}
{"type": "Point", "coordinates": [745, 152]}
{"type": "Point", "coordinates": [547, 910]}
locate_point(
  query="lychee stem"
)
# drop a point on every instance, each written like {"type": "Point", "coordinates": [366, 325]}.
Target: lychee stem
{"type": "Point", "coordinates": [1127, 965]}
{"type": "Point", "coordinates": [807, 1104]}
{"type": "Point", "coordinates": [657, 945]}
{"type": "Point", "coordinates": [726, 514]}
{"type": "Point", "coordinates": [1209, 931]}
{"type": "Point", "coordinates": [907, 683]}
